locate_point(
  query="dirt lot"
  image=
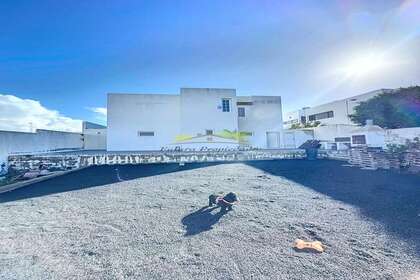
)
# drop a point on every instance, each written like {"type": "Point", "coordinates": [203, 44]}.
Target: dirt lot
{"type": "Point", "coordinates": [151, 224]}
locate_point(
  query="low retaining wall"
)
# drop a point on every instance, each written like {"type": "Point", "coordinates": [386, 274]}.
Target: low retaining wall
{"type": "Point", "coordinates": [377, 158]}
{"type": "Point", "coordinates": [374, 159]}
{"type": "Point", "coordinates": [334, 154]}
{"type": "Point", "coordinates": [69, 161]}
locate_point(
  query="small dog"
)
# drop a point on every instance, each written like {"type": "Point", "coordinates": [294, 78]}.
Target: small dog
{"type": "Point", "coordinates": [225, 202]}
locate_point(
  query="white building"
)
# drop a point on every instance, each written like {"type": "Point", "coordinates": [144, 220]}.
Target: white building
{"type": "Point", "coordinates": [332, 113]}
{"type": "Point", "coordinates": [94, 136]}
{"type": "Point", "coordinates": [196, 118]}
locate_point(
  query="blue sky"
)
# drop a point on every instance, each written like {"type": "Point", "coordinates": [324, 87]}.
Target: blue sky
{"type": "Point", "coordinates": [68, 54]}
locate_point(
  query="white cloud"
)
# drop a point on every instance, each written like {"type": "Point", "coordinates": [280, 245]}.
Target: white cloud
{"type": "Point", "coordinates": [100, 113]}
{"type": "Point", "coordinates": [23, 114]}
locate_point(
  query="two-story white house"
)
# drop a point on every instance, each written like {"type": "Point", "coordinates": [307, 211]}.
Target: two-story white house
{"type": "Point", "coordinates": [332, 113]}
{"type": "Point", "coordinates": [195, 118]}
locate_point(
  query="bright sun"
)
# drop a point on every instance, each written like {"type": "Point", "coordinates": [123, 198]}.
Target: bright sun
{"type": "Point", "coordinates": [364, 65]}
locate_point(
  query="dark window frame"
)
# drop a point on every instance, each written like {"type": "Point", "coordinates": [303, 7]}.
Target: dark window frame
{"type": "Point", "coordinates": [226, 105]}
{"type": "Point", "coordinates": [145, 133]}
{"type": "Point", "coordinates": [342, 139]}
{"type": "Point", "coordinates": [244, 103]}
{"type": "Point", "coordinates": [321, 116]}
{"type": "Point", "coordinates": [356, 139]}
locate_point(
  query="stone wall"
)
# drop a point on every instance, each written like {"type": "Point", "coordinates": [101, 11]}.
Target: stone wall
{"type": "Point", "coordinates": [382, 159]}
{"type": "Point", "coordinates": [69, 161]}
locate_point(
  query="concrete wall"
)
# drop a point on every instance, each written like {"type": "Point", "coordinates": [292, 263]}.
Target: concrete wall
{"type": "Point", "coordinates": [94, 136]}
{"type": "Point", "coordinates": [201, 110]}
{"type": "Point", "coordinates": [400, 136]}
{"type": "Point", "coordinates": [293, 138]}
{"type": "Point", "coordinates": [330, 132]}
{"type": "Point", "coordinates": [94, 141]}
{"type": "Point", "coordinates": [375, 136]}
{"type": "Point", "coordinates": [42, 140]}
{"type": "Point", "coordinates": [264, 115]}
{"type": "Point", "coordinates": [130, 113]}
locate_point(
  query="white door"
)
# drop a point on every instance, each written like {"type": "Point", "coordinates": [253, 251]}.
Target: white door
{"type": "Point", "coordinates": [273, 140]}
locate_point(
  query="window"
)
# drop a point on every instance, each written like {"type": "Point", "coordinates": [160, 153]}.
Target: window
{"type": "Point", "coordinates": [241, 112]}
{"type": "Point", "coordinates": [145, 133]}
{"type": "Point", "coordinates": [243, 103]}
{"type": "Point", "coordinates": [303, 119]}
{"type": "Point", "coordinates": [358, 139]}
{"type": "Point", "coordinates": [342, 139]}
{"type": "Point", "coordinates": [320, 116]}
{"type": "Point", "coordinates": [209, 132]}
{"type": "Point", "coordinates": [226, 105]}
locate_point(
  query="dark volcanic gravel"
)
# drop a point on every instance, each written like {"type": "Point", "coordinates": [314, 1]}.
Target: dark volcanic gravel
{"type": "Point", "coordinates": [153, 224]}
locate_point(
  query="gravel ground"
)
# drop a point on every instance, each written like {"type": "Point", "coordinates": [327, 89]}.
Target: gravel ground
{"type": "Point", "coordinates": [148, 222]}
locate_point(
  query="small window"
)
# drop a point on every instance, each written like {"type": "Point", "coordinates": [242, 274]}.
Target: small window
{"type": "Point", "coordinates": [342, 139]}
{"type": "Point", "coordinates": [244, 103]}
{"type": "Point", "coordinates": [226, 105]}
{"type": "Point", "coordinates": [145, 133]}
{"type": "Point", "coordinates": [209, 132]}
{"type": "Point", "coordinates": [358, 139]}
{"type": "Point", "coordinates": [320, 116]}
{"type": "Point", "coordinates": [241, 112]}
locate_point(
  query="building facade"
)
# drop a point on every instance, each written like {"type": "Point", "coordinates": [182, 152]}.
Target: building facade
{"type": "Point", "coordinates": [94, 136]}
{"type": "Point", "coordinates": [196, 118]}
{"type": "Point", "coordinates": [332, 113]}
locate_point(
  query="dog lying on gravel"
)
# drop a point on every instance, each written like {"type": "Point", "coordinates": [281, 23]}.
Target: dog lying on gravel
{"type": "Point", "coordinates": [225, 202]}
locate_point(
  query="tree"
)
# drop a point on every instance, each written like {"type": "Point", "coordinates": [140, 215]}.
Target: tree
{"type": "Point", "coordinates": [398, 109]}
{"type": "Point", "coordinates": [306, 125]}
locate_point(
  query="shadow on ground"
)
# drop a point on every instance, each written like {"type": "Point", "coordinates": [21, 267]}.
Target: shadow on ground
{"type": "Point", "coordinates": [390, 198]}
{"type": "Point", "coordinates": [95, 176]}
{"type": "Point", "coordinates": [202, 220]}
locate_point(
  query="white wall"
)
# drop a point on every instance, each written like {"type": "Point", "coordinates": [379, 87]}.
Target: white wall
{"type": "Point", "coordinates": [201, 110]}
{"type": "Point", "coordinates": [341, 109]}
{"type": "Point", "coordinates": [293, 138]}
{"type": "Point", "coordinates": [401, 135]}
{"type": "Point", "coordinates": [42, 140]}
{"type": "Point", "coordinates": [94, 136]}
{"type": "Point", "coordinates": [130, 113]}
{"type": "Point", "coordinates": [330, 132]}
{"type": "Point", "coordinates": [264, 115]}
{"type": "Point", "coordinates": [94, 141]}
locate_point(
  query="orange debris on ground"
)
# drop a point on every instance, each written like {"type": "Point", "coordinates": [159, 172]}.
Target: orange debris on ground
{"type": "Point", "coordinates": [309, 245]}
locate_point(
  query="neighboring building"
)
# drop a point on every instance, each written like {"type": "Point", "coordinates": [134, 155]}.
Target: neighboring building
{"type": "Point", "coordinates": [94, 136]}
{"type": "Point", "coordinates": [336, 112]}
{"type": "Point", "coordinates": [369, 135]}
{"type": "Point", "coordinates": [196, 118]}
{"type": "Point", "coordinates": [12, 142]}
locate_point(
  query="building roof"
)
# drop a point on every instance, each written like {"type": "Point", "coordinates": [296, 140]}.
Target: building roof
{"type": "Point", "coordinates": [91, 125]}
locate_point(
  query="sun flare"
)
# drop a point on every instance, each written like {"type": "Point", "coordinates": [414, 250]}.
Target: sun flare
{"type": "Point", "coordinates": [364, 65]}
